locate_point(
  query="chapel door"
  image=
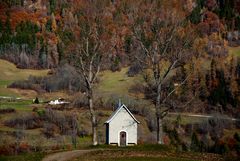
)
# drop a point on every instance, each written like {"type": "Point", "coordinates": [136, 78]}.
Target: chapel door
{"type": "Point", "coordinates": [123, 138]}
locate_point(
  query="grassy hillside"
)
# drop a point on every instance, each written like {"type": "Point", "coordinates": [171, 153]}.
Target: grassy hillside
{"type": "Point", "coordinates": [234, 50]}
{"type": "Point", "coordinates": [9, 73]}
{"type": "Point", "coordinates": [116, 82]}
{"type": "Point", "coordinates": [119, 83]}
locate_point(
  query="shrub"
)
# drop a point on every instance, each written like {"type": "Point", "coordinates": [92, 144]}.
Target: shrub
{"type": "Point", "coordinates": [35, 109]}
{"type": "Point", "coordinates": [50, 130]}
{"type": "Point", "coordinates": [82, 133]}
{"type": "Point", "coordinates": [134, 69]}
{"type": "Point", "coordinates": [109, 103]}
{"type": "Point", "coordinates": [195, 143]}
{"type": "Point", "coordinates": [151, 122]}
{"type": "Point", "coordinates": [64, 78]}
{"type": "Point", "coordinates": [231, 156]}
{"type": "Point", "coordinates": [24, 148]}
{"type": "Point", "coordinates": [220, 147]}
{"type": "Point", "coordinates": [36, 101]}
{"type": "Point", "coordinates": [237, 148]}
{"type": "Point", "coordinates": [237, 137]}
{"type": "Point", "coordinates": [137, 88]}
{"type": "Point", "coordinates": [80, 101]}
{"type": "Point", "coordinates": [21, 84]}
{"type": "Point", "coordinates": [28, 121]}
{"type": "Point", "coordinates": [8, 149]}
{"type": "Point", "coordinates": [137, 106]}
{"type": "Point", "coordinates": [64, 121]}
{"type": "Point", "coordinates": [7, 146]}
{"type": "Point", "coordinates": [116, 65]}
{"type": "Point", "coordinates": [7, 110]}
{"type": "Point", "coordinates": [40, 113]}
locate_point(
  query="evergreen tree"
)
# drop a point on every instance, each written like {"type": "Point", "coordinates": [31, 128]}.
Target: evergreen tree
{"type": "Point", "coordinates": [43, 56]}
{"type": "Point", "coordinates": [60, 51]}
{"type": "Point", "coordinates": [53, 4]}
{"type": "Point", "coordinates": [237, 137]}
{"type": "Point", "coordinates": [36, 101]}
{"type": "Point", "coordinates": [127, 44]}
{"type": "Point", "coordinates": [237, 146]}
{"type": "Point", "coordinates": [238, 23]}
{"type": "Point", "coordinates": [213, 74]}
{"type": "Point", "coordinates": [203, 90]}
{"type": "Point", "coordinates": [8, 29]}
{"type": "Point", "coordinates": [195, 143]}
{"type": "Point", "coordinates": [1, 26]}
{"type": "Point", "coordinates": [195, 16]}
{"type": "Point", "coordinates": [226, 9]}
{"type": "Point", "coordinates": [6, 37]}
{"type": "Point", "coordinates": [174, 137]}
{"type": "Point", "coordinates": [26, 34]}
{"type": "Point", "coordinates": [49, 25]}
{"type": "Point", "coordinates": [220, 148]}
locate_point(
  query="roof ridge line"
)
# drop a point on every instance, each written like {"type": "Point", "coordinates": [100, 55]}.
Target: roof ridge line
{"type": "Point", "coordinates": [116, 112]}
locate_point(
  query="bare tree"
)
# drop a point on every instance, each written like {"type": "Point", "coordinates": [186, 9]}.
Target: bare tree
{"type": "Point", "coordinates": [89, 55]}
{"type": "Point", "coordinates": [164, 39]}
{"type": "Point", "coordinates": [74, 129]}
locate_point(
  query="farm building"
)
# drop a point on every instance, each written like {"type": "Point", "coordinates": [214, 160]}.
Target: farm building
{"type": "Point", "coordinates": [121, 127]}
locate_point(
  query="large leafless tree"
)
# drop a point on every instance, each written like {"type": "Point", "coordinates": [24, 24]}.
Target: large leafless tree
{"type": "Point", "coordinates": [165, 44]}
{"type": "Point", "coordinates": [88, 56]}
{"type": "Point", "coordinates": [89, 61]}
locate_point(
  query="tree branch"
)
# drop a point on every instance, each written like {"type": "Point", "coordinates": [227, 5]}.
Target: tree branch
{"type": "Point", "coordinates": [170, 93]}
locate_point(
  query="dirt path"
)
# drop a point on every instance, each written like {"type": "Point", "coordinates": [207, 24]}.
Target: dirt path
{"type": "Point", "coordinates": [66, 156]}
{"type": "Point", "coordinates": [205, 116]}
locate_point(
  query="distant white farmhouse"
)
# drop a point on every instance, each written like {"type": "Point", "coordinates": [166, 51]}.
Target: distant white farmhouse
{"type": "Point", "coordinates": [59, 101]}
{"type": "Point", "coordinates": [121, 127]}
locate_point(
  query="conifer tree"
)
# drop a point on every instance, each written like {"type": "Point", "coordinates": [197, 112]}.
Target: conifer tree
{"type": "Point", "coordinates": [8, 29]}
{"type": "Point", "coordinates": [195, 143]}
{"type": "Point", "coordinates": [195, 16]}
{"type": "Point", "coordinates": [1, 26]}
{"type": "Point", "coordinates": [52, 5]}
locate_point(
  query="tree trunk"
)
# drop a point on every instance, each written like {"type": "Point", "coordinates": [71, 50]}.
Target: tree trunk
{"type": "Point", "coordinates": [159, 118]}
{"type": "Point", "coordinates": [93, 118]}
{"type": "Point", "coordinates": [159, 130]}
{"type": "Point", "coordinates": [94, 130]}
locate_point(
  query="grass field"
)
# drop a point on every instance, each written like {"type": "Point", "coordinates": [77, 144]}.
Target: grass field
{"type": "Point", "coordinates": [234, 50]}
{"type": "Point", "coordinates": [147, 152]}
{"type": "Point", "coordinates": [23, 157]}
{"type": "Point", "coordinates": [22, 105]}
{"type": "Point", "coordinates": [9, 73]}
{"type": "Point", "coordinates": [116, 82]}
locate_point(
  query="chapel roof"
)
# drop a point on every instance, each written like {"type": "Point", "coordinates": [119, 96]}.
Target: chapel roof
{"type": "Point", "coordinates": [117, 111]}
